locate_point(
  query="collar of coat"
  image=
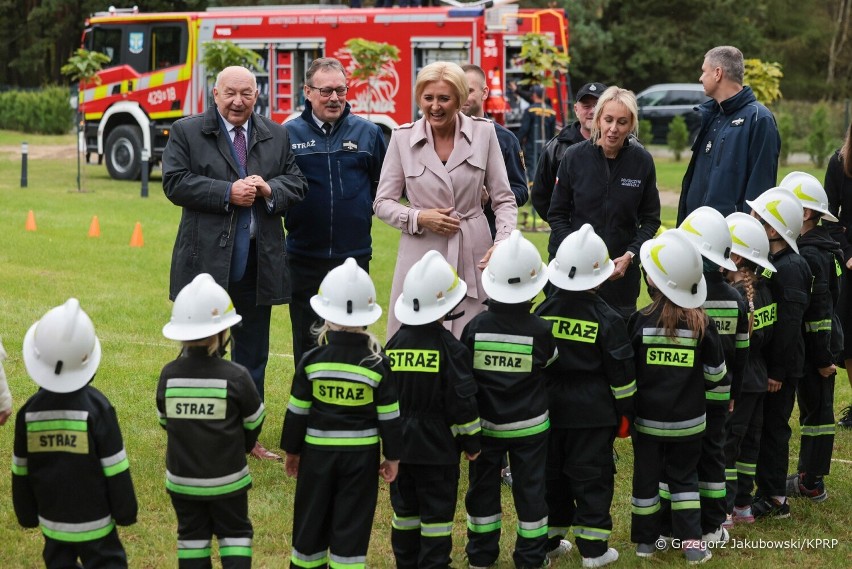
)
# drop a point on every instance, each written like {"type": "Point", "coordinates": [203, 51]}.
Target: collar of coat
{"type": "Point", "coordinates": [212, 125]}
{"type": "Point", "coordinates": [422, 133]}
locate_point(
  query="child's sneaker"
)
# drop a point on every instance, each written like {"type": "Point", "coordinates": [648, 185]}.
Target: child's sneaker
{"type": "Point", "coordinates": [845, 418]}
{"type": "Point", "coordinates": [506, 477]}
{"type": "Point", "coordinates": [796, 488]}
{"type": "Point", "coordinates": [696, 554]}
{"type": "Point", "coordinates": [564, 548]}
{"type": "Point", "coordinates": [718, 537]}
{"type": "Point", "coordinates": [770, 508]}
{"type": "Point", "coordinates": [743, 515]}
{"type": "Point", "coordinates": [611, 556]}
{"type": "Point", "coordinates": [729, 522]}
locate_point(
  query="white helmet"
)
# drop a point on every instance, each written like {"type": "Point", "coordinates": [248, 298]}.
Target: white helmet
{"type": "Point", "coordinates": [201, 309]}
{"type": "Point", "coordinates": [782, 210]}
{"type": "Point", "coordinates": [431, 290]}
{"type": "Point", "coordinates": [810, 192]}
{"type": "Point", "coordinates": [709, 232]}
{"type": "Point", "coordinates": [582, 261]}
{"type": "Point", "coordinates": [61, 351]}
{"type": "Point", "coordinates": [749, 239]}
{"type": "Point", "coordinates": [515, 272]}
{"type": "Point", "coordinates": [674, 265]}
{"type": "Point", "coordinates": [347, 296]}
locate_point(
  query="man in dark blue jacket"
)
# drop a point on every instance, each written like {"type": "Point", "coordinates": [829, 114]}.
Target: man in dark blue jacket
{"type": "Point", "coordinates": [341, 156]}
{"type": "Point", "coordinates": [735, 155]}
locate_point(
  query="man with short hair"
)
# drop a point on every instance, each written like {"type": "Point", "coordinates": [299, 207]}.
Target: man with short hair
{"type": "Point", "coordinates": [234, 175]}
{"type": "Point", "coordinates": [735, 155]}
{"type": "Point", "coordinates": [341, 155]}
{"type": "Point", "coordinates": [509, 145]}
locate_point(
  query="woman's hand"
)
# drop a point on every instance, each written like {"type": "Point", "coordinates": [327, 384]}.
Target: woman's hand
{"type": "Point", "coordinates": [483, 262]}
{"type": "Point", "coordinates": [621, 265]}
{"type": "Point", "coordinates": [439, 221]}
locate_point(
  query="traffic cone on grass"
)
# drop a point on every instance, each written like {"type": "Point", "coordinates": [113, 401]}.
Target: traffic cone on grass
{"type": "Point", "coordinates": [137, 240]}
{"type": "Point", "coordinates": [31, 224]}
{"type": "Point", "coordinates": [95, 228]}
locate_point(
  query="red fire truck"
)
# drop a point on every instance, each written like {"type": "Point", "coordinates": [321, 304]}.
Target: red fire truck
{"type": "Point", "coordinates": [155, 75]}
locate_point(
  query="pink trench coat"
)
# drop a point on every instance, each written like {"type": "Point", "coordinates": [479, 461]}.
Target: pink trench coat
{"type": "Point", "coordinates": [413, 170]}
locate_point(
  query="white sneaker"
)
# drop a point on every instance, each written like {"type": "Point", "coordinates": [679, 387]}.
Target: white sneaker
{"type": "Point", "coordinates": [719, 537]}
{"type": "Point", "coordinates": [611, 556]}
{"type": "Point", "coordinates": [564, 548]}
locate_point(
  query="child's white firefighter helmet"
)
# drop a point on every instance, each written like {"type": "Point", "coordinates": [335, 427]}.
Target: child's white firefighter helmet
{"type": "Point", "coordinates": [432, 288]}
{"type": "Point", "coordinates": [582, 261]}
{"type": "Point", "coordinates": [202, 309]}
{"type": "Point", "coordinates": [810, 192]}
{"type": "Point", "coordinates": [61, 351]}
{"type": "Point", "coordinates": [749, 239]}
{"type": "Point", "coordinates": [515, 272]}
{"type": "Point", "coordinates": [674, 265]}
{"type": "Point", "coordinates": [347, 296]}
{"type": "Point", "coordinates": [709, 232]}
{"type": "Point", "coordinates": [782, 210]}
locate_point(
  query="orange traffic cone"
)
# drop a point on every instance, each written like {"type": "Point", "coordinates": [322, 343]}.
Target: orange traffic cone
{"type": "Point", "coordinates": [95, 228]}
{"type": "Point", "coordinates": [30, 226]}
{"type": "Point", "coordinates": [137, 240]}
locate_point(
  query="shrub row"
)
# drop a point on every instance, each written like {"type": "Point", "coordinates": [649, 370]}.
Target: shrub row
{"type": "Point", "coordinates": [44, 111]}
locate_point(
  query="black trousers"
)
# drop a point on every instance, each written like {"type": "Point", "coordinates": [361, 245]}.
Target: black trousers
{"type": "Point", "coordinates": [528, 457]}
{"type": "Point", "coordinates": [104, 553]}
{"type": "Point", "coordinates": [335, 502]}
{"type": "Point", "coordinates": [306, 274]}
{"type": "Point", "coordinates": [711, 469]}
{"type": "Point", "coordinates": [774, 456]}
{"type": "Point", "coordinates": [580, 483]}
{"type": "Point", "coordinates": [742, 445]}
{"type": "Point", "coordinates": [423, 497]}
{"type": "Point", "coordinates": [655, 461]}
{"type": "Point", "coordinates": [200, 520]}
{"type": "Point", "coordinates": [816, 408]}
{"type": "Point", "coordinates": [251, 336]}
{"type": "Point", "coordinates": [622, 294]}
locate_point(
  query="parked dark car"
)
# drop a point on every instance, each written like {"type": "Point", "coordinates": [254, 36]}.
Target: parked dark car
{"type": "Point", "coordinates": [661, 103]}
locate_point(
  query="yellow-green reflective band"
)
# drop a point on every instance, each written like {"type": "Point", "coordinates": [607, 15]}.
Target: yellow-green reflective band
{"type": "Point", "coordinates": [339, 392]}
{"type": "Point", "coordinates": [427, 361]}
{"type": "Point", "coordinates": [405, 524]}
{"type": "Point", "coordinates": [532, 533]}
{"type": "Point", "coordinates": [589, 533]}
{"type": "Point", "coordinates": [208, 490]}
{"type": "Point", "coordinates": [343, 371]}
{"type": "Point", "coordinates": [340, 562]}
{"type": "Point", "coordinates": [441, 529]}
{"type": "Point", "coordinates": [208, 392]}
{"type": "Point", "coordinates": [496, 361]}
{"type": "Point", "coordinates": [517, 429]}
{"type": "Point", "coordinates": [299, 406]}
{"type": "Point", "coordinates": [255, 420]}
{"type": "Point", "coordinates": [574, 330]}
{"type": "Point", "coordinates": [671, 429]}
{"type": "Point", "coordinates": [838, 270]}
{"type": "Point", "coordinates": [741, 344]}
{"type": "Point", "coordinates": [468, 428]}
{"type": "Point", "coordinates": [76, 536]}
{"type": "Point", "coordinates": [817, 430]}
{"type": "Point", "coordinates": [235, 551]}
{"type": "Point", "coordinates": [730, 474]}
{"type": "Point", "coordinates": [818, 326]}
{"type": "Point", "coordinates": [644, 506]}
{"type": "Point", "coordinates": [503, 347]}
{"type": "Point", "coordinates": [687, 504]}
{"type": "Point", "coordinates": [717, 396]}
{"type": "Point", "coordinates": [766, 316]}
{"type": "Point", "coordinates": [485, 524]}
{"type": "Point", "coordinates": [715, 374]}
{"type": "Point", "coordinates": [193, 553]}
{"type": "Point", "coordinates": [557, 531]}
{"type": "Point", "coordinates": [116, 468]}
{"type": "Point", "coordinates": [624, 391]}
{"type": "Point", "coordinates": [57, 425]}
{"type": "Point", "coordinates": [309, 561]}
{"type": "Point", "coordinates": [19, 466]}
{"type": "Point", "coordinates": [711, 489]}
{"type": "Point", "coordinates": [746, 468]}
{"type": "Point", "coordinates": [670, 357]}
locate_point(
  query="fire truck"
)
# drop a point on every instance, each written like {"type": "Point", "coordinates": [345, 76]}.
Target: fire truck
{"type": "Point", "coordinates": [155, 74]}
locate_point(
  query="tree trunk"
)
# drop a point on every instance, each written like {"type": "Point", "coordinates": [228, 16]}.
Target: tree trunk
{"type": "Point", "coordinates": [838, 38]}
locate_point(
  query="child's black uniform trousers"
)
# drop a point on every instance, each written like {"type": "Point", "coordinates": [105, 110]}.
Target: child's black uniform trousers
{"type": "Point", "coordinates": [341, 402]}
{"type": "Point", "coordinates": [213, 415]}
{"type": "Point", "coordinates": [590, 387]}
{"type": "Point", "coordinates": [439, 416]}
{"type": "Point", "coordinates": [511, 347]}
{"type": "Point", "coordinates": [70, 475]}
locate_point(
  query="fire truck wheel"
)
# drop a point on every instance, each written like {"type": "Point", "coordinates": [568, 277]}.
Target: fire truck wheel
{"type": "Point", "coordinates": [124, 153]}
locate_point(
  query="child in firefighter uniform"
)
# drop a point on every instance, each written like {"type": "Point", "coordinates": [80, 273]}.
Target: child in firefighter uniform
{"type": "Point", "coordinates": [342, 403]}
{"type": "Point", "coordinates": [590, 389]}
{"type": "Point", "coordinates": [709, 232]}
{"type": "Point", "coordinates": [511, 347]}
{"type": "Point", "coordinates": [781, 214]}
{"type": "Point", "coordinates": [750, 253]}
{"type": "Point", "coordinates": [678, 358]}
{"type": "Point", "coordinates": [70, 473]}
{"type": "Point", "coordinates": [437, 399]}
{"type": "Point", "coordinates": [823, 340]}
{"type": "Point", "coordinates": [212, 414]}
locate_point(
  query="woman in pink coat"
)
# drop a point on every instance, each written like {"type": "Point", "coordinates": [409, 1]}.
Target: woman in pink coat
{"type": "Point", "coordinates": [446, 165]}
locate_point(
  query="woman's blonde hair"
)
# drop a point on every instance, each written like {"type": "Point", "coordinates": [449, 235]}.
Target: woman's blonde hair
{"type": "Point", "coordinates": [214, 343]}
{"type": "Point", "coordinates": [447, 71]}
{"type": "Point", "coordinates": [617, 95]}
{"type": "Point", "coordinates": [373, 344]}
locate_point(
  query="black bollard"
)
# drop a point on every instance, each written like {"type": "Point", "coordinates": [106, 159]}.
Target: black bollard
{"type": "Point", "coordinates": [24, 151]}
{"type": "Point", "coordinates": [144, 173]}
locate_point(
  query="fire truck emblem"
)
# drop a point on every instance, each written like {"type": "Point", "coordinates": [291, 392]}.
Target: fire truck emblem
{"type": "Point", "coordinates": [135, 42]}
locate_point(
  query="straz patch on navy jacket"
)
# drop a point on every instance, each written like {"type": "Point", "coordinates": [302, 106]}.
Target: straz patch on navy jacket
{"type": "Point", "coordinates": [502, 352]}
{"type": "Point", "coordinates": [196, 398]}
{"type": "Point", "coordinates": [573, 329]}
{"type": "Point", "coordinates": [58, 431]}
{"type": "Point", "coordinates": [428, 361]}
{"type": "Point", "coordinates": [666, 351]}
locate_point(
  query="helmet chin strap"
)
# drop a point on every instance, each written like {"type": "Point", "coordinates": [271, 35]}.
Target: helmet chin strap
{"type": "Point", "coordinates": [453, 316]}
{"type": "Point", "coordinates": [223, 346]}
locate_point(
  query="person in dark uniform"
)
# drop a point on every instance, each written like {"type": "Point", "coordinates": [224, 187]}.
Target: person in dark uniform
{"type": "Point", "coordinates": [511, 348]}
{"type": "Point", "coordinates": [438, 410]}
{"type": "Point", "coordinates": [590, 389]}
{"type": "Point", "coordinates": [538, 125]}
{"type": "Point", "coordinates": [212, 413]}
{"type": "Point", "coordinates": [343, 404]}
{"type": "Point", "coordinates": [73, 478]}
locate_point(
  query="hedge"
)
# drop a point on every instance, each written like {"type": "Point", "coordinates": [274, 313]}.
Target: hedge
{"type": "Point", "coordinates": [44, 111]}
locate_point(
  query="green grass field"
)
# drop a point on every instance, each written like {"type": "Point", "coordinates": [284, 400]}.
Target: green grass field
{"type": "Point", "coordinates": [125, 291]}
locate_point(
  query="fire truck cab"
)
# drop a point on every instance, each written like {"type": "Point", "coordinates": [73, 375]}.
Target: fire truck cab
{"type": "Point", "coordinates": [155, 75]}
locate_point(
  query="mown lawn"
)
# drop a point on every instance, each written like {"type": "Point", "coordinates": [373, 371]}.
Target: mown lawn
{"type": "Point", "coordinates": [125, 291]}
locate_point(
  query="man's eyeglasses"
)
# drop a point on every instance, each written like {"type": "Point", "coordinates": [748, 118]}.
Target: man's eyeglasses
{"type": "Point", "coordinates": [326, 92]}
